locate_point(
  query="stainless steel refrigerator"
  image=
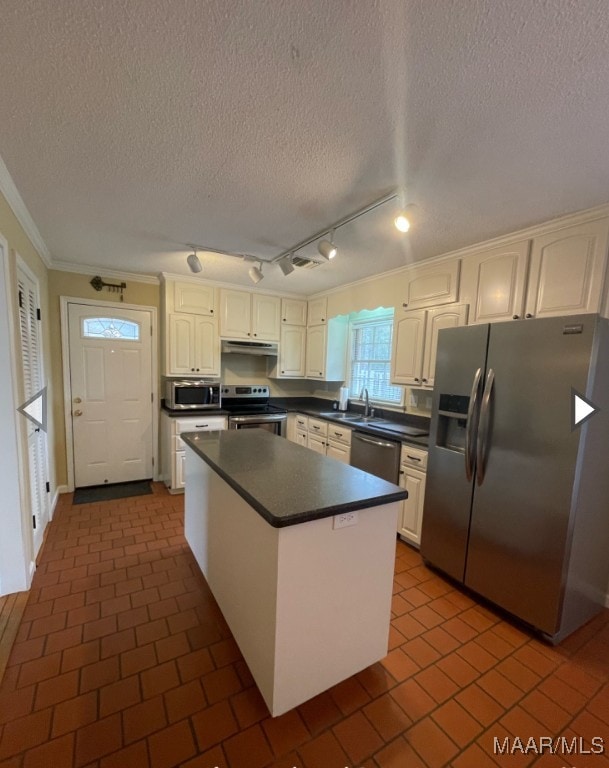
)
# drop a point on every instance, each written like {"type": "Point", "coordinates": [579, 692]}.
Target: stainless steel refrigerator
{"type": "Point", "coordinates": [517, 500]}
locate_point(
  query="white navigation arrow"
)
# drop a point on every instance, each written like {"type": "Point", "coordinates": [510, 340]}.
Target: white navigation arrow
{"type": "Point", "coordinates": [35, 409]}
{"type": "Point", "coordinates": [581, 409]}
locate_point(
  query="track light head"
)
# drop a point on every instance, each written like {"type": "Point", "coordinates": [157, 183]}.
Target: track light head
{"type": "Point", "coordinates": [327, 249]}
{"type": "Point", "coordinates": [285, 265]}
{"type": "Point", "coordinates": [194, 263]}
{"type": "Point", "coordinates": [255, 273]}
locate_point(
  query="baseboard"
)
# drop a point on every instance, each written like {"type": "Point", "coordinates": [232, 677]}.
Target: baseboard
{"type": "Point", "coordinates": [59, 490]}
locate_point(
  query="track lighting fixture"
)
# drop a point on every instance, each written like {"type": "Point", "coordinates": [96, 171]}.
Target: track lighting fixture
{"type": "Point", "coordinates": [402, 222]}
{"type": "Point", "coordinates": [326, 248]}
{"type": "Point", "coordinates": [194, 263]}
{"type": "Point", "coordinates": [255, 273]}
{"type": "Point", "coordinates": [286, 265]}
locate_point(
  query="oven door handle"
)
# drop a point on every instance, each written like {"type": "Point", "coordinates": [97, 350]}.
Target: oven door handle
{"type": "Point", "coordinates": [260, 419]}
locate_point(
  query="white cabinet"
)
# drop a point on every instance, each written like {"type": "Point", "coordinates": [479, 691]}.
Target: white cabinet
{"type": "Point", "coordinates": [173, 448]}
{"type": "Point", "coordinates": [415, 342]}
{"type": "Point", "coordinates": [317, 444]}
{"type": "Point", "coordinates": [493, 283]}
{"type": "Point", "coordinates": [244, 315]}
{"type": "Point", "coordinates": [567, 270]}
{"type": "Point", "coordinates": [324, 437]}
{"type": "Point", "coordinates": [431, 286]}
{"type": "Point", "coordinates": [193, 298]}
{"type": "Point", "coordinates": [413, 463]}
{"type": "Point", "coordinates": [290, 362]}
{"type": "Point", "coordinates": [302, 438]}
{"type": "Point", "coordinates": [294, 311]}
{"type": "Point", "coordinates": [339, 443]}
{"type": "Point", "coordinates": [192, 345]}
{"type": "Point", "coordinates": [317, 313]}
{"type": "Point", "coordinates": [327, 350]}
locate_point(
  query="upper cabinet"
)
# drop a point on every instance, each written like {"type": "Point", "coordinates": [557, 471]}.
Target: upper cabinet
{"type": "Point", "coordinates": [326, 356]}
{"type": "Point", "coordinates": [317, 311]}
{"type": "Point", "coordinates": [430, 286]}
{"type": "Point", "coordinates": [294, 311]}
{"type": "Point", "coordinates": [192, 346]}
{"type": "Point", "coordinates": [415, 342]}
{"type": "Point", "coordinates": [290, 362]}
{"type": "Point", "coordinates": [244, 315]}
{"type": "Point", "coordinates": [567, 269]}
{"type": "Point", "coordinates": [493, 283]}
{"type": "Point", "coordinates": [194, 299]}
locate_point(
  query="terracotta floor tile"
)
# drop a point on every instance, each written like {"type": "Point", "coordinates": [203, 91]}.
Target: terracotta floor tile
{"type": "Point", "coordinates": [220, 684]}
{"type": "Point", "coordinates": [399, 665]}
{"type": "Point", "coordinates": [172, 647]}
{"type": "Point", "coordinates": [500, 688]}
{"type": "Point", "coordinates": [548, 712]}
{"type": "Point", "coordinates": [577, 677]}
{"type": "Point", "coordinates": [375, 680]}
{"type": "Point", "coordinates": [458, 669]}
{"type": "Point", "coordinates": [436, 683]}
{"type": "Point", "coordinates": [518, 673]}
{"type": "Point", "coordinates": [80, 656]}
{"type": "Point", "coordinates": [409, 626]}
{"type": "Point", "coordinates": [133, 756]}
{"type": "Point", "coordinates": [58, 752]}
{"type": "Point", "coordinates": [99, 628]}
{"type": "Point", "coordinates": [195, 664]}
{"type": "Point", "coordinates": [415, 596]}
{"type": "Point", "coordinates": [36, 670]}
{"type": "Point", "coordinates": [477, 656]}
{"type": "Point", "coordinates": [324, 750]}
{"type": "Point", "coordinates": [494, 644]}
{"type": "Point", "coordinates": [138, 659]}
{"type": "Point", "coordinates": [536, 661]}
{"type": "Point", "coordinates": [98, 739]}
{"type": "Point", "coordinates": [159, 679]}
{"type": "Point", "coordinates": [171, 746]}
{"type": "Point", "coordinates": [415, 701]}
{"type": "Point", "coordinates": [479, 704]}
{"type": "Point", "coordinates": [398, 754]}
{"type": "Point", "coordinates": [15, 704]}
{"type": "Point", "coordinates": [249, 707]}
{"type": "Point", "coordinates": [151, 631]}
{"type": "Point", "coordinates": [133, 617]}
{"type": "Point", "coordinates": [349, 695]}
{"type": "Point", "coordinates": [120, 695]}
{"type": "Point", "coordinates": [213, 725]}
{"type": "Point", "coordinates": [60, 688]}
{"type": "Point", "coordinates": [387, 717]}
{"type": "Point", "coordinates": [431, 743]}
{"type": "Point", "coordinates": [457, 723]}
{"type": "Point", "coordinates": [474, 757]}
{"type": "Point", "coordinates": [285, 733]}
{"type": "Point", "coordinates": [143, 719]}
{"type": "Point", "coordinates": [426, 616]}
{"type": "Point", "coordinates": [75, 713]}
{"type": "Point", "coordinates": [25, 733]}
{"type": "Point", "coordinates": [26, 650]}
{"type": "Point", "coordinates": [357, 737]}
{"type": "Point", "coordinates": [213, 758]}
{"type": "Point", "coordinates": [459, 629]}
{"type": "Point", "coordinates": [441, 640]}
{"type": "Point", "coordinates": [225, 652]}
{"type": "Point", "coordinates": [320, 713]}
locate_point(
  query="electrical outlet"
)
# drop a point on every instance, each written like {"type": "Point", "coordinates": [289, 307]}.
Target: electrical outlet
{"type": "Point", "coordinates": [345, 519]}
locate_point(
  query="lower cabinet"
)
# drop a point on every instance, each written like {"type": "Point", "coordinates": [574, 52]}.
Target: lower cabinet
{"type": "Point", "coordinates": [173, 449]}
{"type": "Point", "coordinates": [323, 437]}
{"type": "Point", "coordinates": [413, 465]}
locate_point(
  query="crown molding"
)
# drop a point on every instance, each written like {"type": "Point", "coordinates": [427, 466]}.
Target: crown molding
{"type": "Point", "coordinates": [86, 269]}
{"type": "Point", "coordinates": [536, 230]}
{"type": "Point", "coordinates": [230, 286]}
{"type": "Point", "coordinates": [19, 208]}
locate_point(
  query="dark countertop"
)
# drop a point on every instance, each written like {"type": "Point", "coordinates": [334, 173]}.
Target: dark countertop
{"type": "Point", "coordinates": [286, 483]}
{"type": "Point", "coordinates": [194, 412]}
{"type": "Point", "coordinates": [389, 428]}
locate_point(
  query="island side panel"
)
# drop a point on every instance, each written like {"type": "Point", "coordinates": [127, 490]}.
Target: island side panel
{"type": "Point", "coordinates": [236, 550]}
{"type": "Point", "coordinates": [333, 603]}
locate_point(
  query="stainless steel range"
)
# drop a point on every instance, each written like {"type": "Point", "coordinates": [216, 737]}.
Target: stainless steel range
{"type": "Point", "coordinates": [249, 408]}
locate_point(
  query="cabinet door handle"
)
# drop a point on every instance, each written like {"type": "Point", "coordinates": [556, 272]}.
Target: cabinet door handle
{"type": "Point", "coordinates": [528, 315]}
{"type": "Point", "coordinates": [201, 426]}
{"type": "Point", "coordinates": [516, 317]}
{"type": "Point", "coordinates": [415, 378]}
{"type": "Point", "coordinates": [404, 305]}
{"type": "Point", "coordinates": [211, 311]}
{"type": "Point", "coordinates": [192, 369]}
{"type": "Point", "coordinates": [423, 380]}
{"type": "Point", "coordinates": [413, 458]}
{"type": "Point", "coordinates": [401, 471]}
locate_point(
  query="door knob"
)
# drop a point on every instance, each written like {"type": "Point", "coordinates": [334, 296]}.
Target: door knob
{"type": "Point", "coordinates": [77, 413]}
{"type": "Point", "coordinates": [78, 400]}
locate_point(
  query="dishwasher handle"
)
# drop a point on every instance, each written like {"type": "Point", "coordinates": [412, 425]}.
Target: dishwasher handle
{"type": "Point", "coordinates": [372, 441]}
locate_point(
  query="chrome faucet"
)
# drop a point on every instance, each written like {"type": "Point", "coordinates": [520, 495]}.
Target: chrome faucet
{"type": "Point", "coordinates": [364, 396]}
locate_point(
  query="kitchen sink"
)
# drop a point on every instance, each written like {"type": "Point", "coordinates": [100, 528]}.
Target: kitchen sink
{"type": "Point", "coordinates": [370, 420]}
{"type": "Point", "coordinates": [339, 415]}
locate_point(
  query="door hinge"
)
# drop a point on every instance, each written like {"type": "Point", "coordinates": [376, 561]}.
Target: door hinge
{"type": "Point", "coordinates": [153, 461]}
{"type": "Point", "coordinates": [20, 300]}
{"type": "Point", "coordinates": [48, 487]}
{"type": "Point", "coordinates": [38, 315]}
{"type": "Point", "coordinates": [152, 397]}
{"type": "Point", "coordinates": [33, 521]}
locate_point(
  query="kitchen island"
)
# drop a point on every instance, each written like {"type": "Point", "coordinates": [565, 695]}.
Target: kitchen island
{"type": "Point", "coordinates": [298, 550]}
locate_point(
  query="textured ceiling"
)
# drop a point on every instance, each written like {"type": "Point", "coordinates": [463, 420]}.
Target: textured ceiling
{"type": "Point", "coordinates": [133, 128]}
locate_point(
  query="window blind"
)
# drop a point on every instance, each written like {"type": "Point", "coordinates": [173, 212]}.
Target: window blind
{"type": "Point", "coordinates": [371, 360]}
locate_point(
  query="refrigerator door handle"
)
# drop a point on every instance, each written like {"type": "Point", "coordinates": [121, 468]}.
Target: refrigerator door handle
{"type": "Point", "coordinates": [471, 413]}
{"type": "Point", "coordinates": [483, 428]}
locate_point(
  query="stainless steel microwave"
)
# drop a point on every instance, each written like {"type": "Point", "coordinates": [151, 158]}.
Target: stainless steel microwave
{"type": "Point", "coordinates": [192, 394]}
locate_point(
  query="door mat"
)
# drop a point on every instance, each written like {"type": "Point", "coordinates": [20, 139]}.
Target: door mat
{"type": "Point", "coordinates": [109, 492]}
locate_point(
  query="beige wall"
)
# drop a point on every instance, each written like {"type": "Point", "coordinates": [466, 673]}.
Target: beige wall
{"type": "Point", "coordinates": [79, 286]}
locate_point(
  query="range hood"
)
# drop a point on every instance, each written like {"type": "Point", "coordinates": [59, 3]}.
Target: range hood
{"type": "Point", "coordinates": [269, 348]}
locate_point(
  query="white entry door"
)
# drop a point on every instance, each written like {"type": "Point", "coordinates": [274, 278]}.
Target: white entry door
{"type": "Point", "coordinates": [33, 377]}
{"type": "Point", "coordinates": [111, 388]}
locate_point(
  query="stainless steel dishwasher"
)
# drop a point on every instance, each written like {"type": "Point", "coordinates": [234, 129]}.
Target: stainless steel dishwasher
{"type": "Point", "coordinates": [375, 455]}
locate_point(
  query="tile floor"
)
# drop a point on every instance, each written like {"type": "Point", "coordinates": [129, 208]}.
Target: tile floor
{"type": "Point", "coordinates": [123, 659]}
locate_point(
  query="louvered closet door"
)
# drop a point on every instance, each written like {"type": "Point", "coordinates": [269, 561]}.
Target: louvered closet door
{"type": "Point", "coordinates": [31, 355]}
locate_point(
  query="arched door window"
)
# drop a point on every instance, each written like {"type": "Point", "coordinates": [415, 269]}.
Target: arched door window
{"type": "Point", "coordinates": [110, 328]}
